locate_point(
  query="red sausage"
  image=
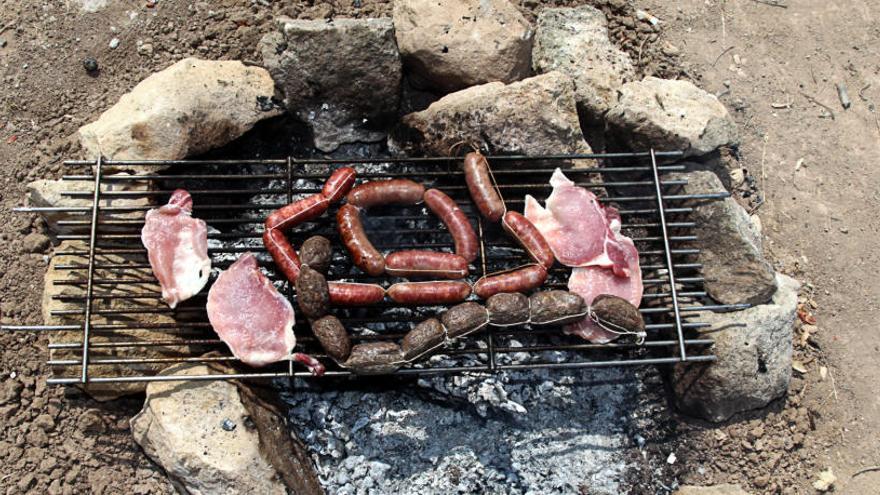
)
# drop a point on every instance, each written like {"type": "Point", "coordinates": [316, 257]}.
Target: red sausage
{"type": "Point", "coordinates": [384, 192]}
{"type": "Point", "coordinates": [423, 263]}
{"type": "Point", "coordinates": [338, 184]}
{"type": "Point", "coordinates": [519, 280]}
{"type": "Point", "coordinates": [298, 212]}
{"type": "Point", "coordinates": [364, 255]}
{"type": "Point", "coordinates": [354, 294]}
{"type": "Point", "coordinates": [459, 226]}
{"type": "Point", "coordinates": [482, 189]}
{"type": "Point", "coordinates": [429, 293]}
{"type": "Point", "coordinates": [524, 231]}
{"type": "Point", "coordinates": [282, 252]}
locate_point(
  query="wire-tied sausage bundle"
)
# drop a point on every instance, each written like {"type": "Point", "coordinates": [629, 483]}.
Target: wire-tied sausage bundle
{"type": "Point", "coordinates": [554, 307]}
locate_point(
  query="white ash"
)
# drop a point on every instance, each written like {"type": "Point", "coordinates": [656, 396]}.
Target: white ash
{"type": "Point", "coordinates": [541, 431]}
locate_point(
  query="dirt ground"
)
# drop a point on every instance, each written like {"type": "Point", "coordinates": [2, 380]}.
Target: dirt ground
{"type": "Point", "coordinates": [774, 67]}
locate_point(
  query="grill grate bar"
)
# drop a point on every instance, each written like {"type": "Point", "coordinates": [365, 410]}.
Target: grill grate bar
{"type": "Point", "coordinates": [655, 213]}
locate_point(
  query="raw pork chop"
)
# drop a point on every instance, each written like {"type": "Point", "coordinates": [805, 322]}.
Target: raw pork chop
{"type": "Point", "coordinates": [177, 245]}
{"type": "Point", "coordinates": [253, 318]}
{"type": "Point", "coordinates": [577, 226]}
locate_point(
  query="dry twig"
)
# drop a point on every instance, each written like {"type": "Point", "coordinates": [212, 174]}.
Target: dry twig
{"type": "Point", "coordinates": [721, 55]}
{"type": "Point", "coordinates": [817, 102]}
{"type": "Point", "coordinates": [772, 3]}
{"type": "Point", "coordinates": [866, 470]}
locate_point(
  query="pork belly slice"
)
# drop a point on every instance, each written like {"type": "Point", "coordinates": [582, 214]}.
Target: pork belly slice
{"type": "Point", "coordinates": [253, 318]}
{"type": "Point", "coordinates": [577, 227]}
{"type": "Point", "coordinates": [177, 246]}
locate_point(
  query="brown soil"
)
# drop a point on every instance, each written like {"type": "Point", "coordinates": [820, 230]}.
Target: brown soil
{"type": "Point", "coordinates": [817, 216]}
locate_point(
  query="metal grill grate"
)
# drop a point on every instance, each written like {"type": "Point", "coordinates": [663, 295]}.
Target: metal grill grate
{"type": "Point", "coordinates": [234, 197]}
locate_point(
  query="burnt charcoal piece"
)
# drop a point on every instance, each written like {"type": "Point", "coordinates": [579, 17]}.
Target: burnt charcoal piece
{"type": "Point", "coordinates": [464, 318]}
{"type": "Point", "coordinates": [316, 253]}
{"type": "Point", "coordinates": [374, 358]}
{"type": "Point", "coordinates": [333, 337]}
{"type": "Point", "coordinates": [618, 314]}
{"type": "Point", "coordinates": [556, 307]}
{"type": "Point", "coordinates": [423, 337]}
{"type": "Point", "coordinates": [508, 308]}
{"type": "Point", "coordinates": [312, 293]}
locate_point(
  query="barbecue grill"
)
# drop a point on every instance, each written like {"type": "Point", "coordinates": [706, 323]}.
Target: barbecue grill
{"type": "Point", "coordinates": [112, 274]}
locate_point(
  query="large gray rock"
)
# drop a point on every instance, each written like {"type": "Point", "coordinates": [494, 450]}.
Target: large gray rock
{"type": "Point", "coordinates": [670, 115]}
{"type": "Point", "coordinates": [189, 108]}
{"type": "Point", "coordinates": [219, 437]}
{"type": "Point", "coordinates": [753, 347]}
{"type": "Point", "coordinates": [342, 77]}
{"type": "Point", "coordinates": [734, 266]}
{"type": "Point", "coordinates": [454, 44]}
{"type": "Point", "coordinates": [141, 314]}
{"type": "Point", "coordinates": [50, 193]}
{"type": "Point", "coordinates": [575, 41]}
{"type": "Point", "coordinates": [531, 117]}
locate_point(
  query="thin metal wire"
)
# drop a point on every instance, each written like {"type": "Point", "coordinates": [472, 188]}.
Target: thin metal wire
{"type": "Point", "coordinates": [84, 378]}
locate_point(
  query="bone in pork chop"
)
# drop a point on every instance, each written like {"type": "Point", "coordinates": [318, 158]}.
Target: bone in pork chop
{"type": "Point", "coordinates": [253, 318]}
{"type": "Point", "coordinates": [177, 245]}
{"type": "Point", "coordinates": [577, 226]}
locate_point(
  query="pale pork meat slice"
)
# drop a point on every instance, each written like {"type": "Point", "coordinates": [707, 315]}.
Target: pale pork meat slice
{"type": "Point", "coordinates": [577, 226]}
{"type": "Point", "coordinates": [253, 318]}
{"type": "Point", "coordinates": [177, 246]}
{"type": "Point", "coordinates": [589, 282]}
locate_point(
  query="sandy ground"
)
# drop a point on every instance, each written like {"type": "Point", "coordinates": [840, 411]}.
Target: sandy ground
{"type": "Point", "coordinates": [818, 216]}
{"type": "Point", "coordinates": [821, 218]}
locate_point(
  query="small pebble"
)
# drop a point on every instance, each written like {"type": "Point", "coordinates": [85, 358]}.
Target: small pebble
{"type": "Point", "coordinates": [2, 43]}
{"type": "Point", "coordinates": [228, 424]}
{"type": "Point", "coordinates": [114, 43]}
{"type": "Point", "coordinates": [90, 64]}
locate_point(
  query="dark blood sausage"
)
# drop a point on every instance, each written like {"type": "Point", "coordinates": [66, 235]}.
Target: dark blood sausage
{"type": "Point", "coordinates": [316, 253]}
{"type": "Point", "coordinates": [508, 309]}
{"type": "Point", "coordinates": [482, 189]}
{"type": "Point", "coordinates": [423, 263]}
{"type": "Point", "coordinates": [298, 212]}
{"type": "Point", "coordinates": [354, 294]}
{"type": "Point", "coordinates": [556, 307]}
{"type": "Point", "coordinates": [459, 226]}
{"type": "Point", "coordinates": [424, 337]}
{"type": "Point", "coordinates": [282, 252]}
{"type": "Point", "coordinates": [312, 293]}
{"type": "Point", "coordinates": [429, 293]}
{"type": "Point", "coordinates": [339, 184]}
{"type": "Point", "coordinates": [618, 314]}
{"type": "Point", "coordinates": [364, 255]}
{"type": "Point", "coordinates": [333, 337]}
{"type": "Point", "coordinates": [531, 239]}
{"type": "Point", "coordinates": [374, 358]}
{"type": "Point", "coordinates": [519, 280]}
{"type": "Point", "coordinates": [464, 318]}
{"type": "Point", "coordinates": [386, 192]}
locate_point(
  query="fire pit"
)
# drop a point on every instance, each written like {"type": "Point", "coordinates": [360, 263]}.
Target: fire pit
{"type": "Point", "coordinates": [234, 196]}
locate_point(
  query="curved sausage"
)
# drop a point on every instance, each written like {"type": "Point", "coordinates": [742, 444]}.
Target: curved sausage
{"type": "Point", "coordinates": [459, 226]}
{"type": "Point", "coordinates": [354, 294]}
{"type": "Point", "coordinates": [482, 189]}
{"type": "Point", "coordinates": [339, 184]}
{"type": "Point", "coordinates": [429, 293]}
{"type": "Point", "coordinates": [383, 192]}
{"type": "Point", "coordinates": [282, 252]}
{"type": "Point", "coordinates": [295, 213]}
{"type": "Point", "coordinates": [423, 263]}
{"type": "Point", "coordinates": [530, 238]}
{"type": "Point", "coordinates": [364, 255]}
{"type": "Point", "coordinates": [519, 280]}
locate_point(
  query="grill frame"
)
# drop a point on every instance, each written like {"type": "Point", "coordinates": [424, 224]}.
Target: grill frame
{"type": "Point", "coordinates": [684, 348]}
